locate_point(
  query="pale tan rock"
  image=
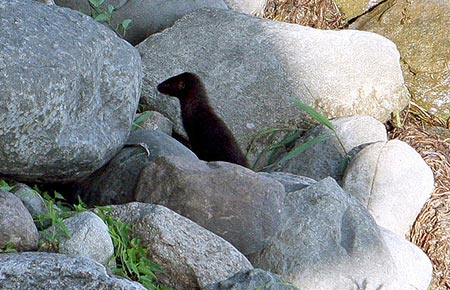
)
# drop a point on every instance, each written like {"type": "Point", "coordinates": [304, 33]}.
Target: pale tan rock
{"type": "Point", "coordinates": [420, 30]}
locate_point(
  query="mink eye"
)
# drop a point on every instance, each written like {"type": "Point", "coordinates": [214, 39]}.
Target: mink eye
{"type": "Point", "coordinates": [181, 85]}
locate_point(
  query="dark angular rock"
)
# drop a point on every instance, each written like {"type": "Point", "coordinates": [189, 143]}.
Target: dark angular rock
{"type": "Point", "coordinates": [232, 201]}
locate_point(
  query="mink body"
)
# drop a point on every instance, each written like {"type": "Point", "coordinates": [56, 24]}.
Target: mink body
{"type": "Point", "coordinates": [209, 136]}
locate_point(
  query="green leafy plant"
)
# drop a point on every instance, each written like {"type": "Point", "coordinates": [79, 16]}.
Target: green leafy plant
{"type": "Point", "coordinates": [10, 248]}
{"type": "Point", "coordinates": [321, 119]}
{"type": "Point", "coordinates": [137, 124]}
{"type": "Point", "coordinates": [131, 257]}
{"type": "Point", "coordinates": [104, 13]}
{"type": "Point", "coordinates": [5, 186]}
{"type": "Point", "coordinates": [291, 135]}
{"type": "Point", "coordinates": [272, 136]}
{"type": "Point", "coordinates": [54, 219]}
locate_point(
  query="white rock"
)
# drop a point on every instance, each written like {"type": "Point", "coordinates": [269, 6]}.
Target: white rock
{"type": "Point", "coordinates": [414, 267]}
{"type": "Point", "coordinates": [253, 7]}
{"type": "Point", "coordinates": [392, 181]}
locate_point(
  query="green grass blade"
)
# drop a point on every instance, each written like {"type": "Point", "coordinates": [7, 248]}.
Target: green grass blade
{"type": "Point", "coordinates": [305, 146]}
{"type": "Point", "coordinates": [137, 124]}
{"type": "Point", "coordinates": [286, 140]}
{"type": "Point", "coordinates": [314, 114]}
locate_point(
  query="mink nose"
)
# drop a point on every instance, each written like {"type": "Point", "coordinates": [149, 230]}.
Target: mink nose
{"type": "Point", "coordinates": [162, 88]}
{"type": "Point", "coordinates": [159, 87]}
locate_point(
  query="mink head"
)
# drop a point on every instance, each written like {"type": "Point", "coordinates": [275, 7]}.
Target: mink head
{"type": "Point", "coordinates": [181, 86]}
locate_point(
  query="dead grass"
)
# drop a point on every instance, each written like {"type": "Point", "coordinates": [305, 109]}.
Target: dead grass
{"type": "Point", "coordinates": [431, 231]}
{"type": "Point", "coordinates": [322, 14]}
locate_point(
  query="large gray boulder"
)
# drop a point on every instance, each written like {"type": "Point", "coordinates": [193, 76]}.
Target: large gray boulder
{"type": "Point", "coordinates": [329, 241]}
{"type": "Point", "coordinates": [232, 201]}
{"type": "Point", "coordinates": [393, 181]}
{"type": "Point", "coordinates": [148, 17]}
{"type": "Point", "coordinates": [291, 182]}
{"type": "Point", "coordinates": [69, 91]}
{"type": "Point", "coordinates": [190, 256]}
{"type": "Point", "coordinates": [253, 67]}
{"type": "Point", "coordinates": [44, 271]}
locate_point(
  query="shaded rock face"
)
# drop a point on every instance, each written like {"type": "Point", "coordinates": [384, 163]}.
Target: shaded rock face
{"type": "Point", "coordinates": [252, 279]}
{"type": "Point", "coordinates": [115, 183]}
{"type": "Point", "coordinates": [290, 182]}
{"type": "Point", "coordinates": [191, 256]}
{"type": "Point", "coordinates": [32, 200]}
{"type": "Point", "coordinates": [16, 224]}
{"type": "Point", "coordinates": [328, 241]}
{"type": "Point", "coordinates": [327, 158]}
{"type": "Point", "coordinates": [148, 17]}
{"type": "Point", "coordinates": [252, 68]}
{"type": "Point", "coordinates": [420, 31]}
{"type": "Point", "coordinates": [233, 202]}
{"type": "Point", "coordinates": [55, 271]}
{"type": "Point", "coordinates": [66, 107]}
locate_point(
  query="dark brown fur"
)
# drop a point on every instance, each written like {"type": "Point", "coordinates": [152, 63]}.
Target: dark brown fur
{"type": "Point", "coordinates": [210, 138]}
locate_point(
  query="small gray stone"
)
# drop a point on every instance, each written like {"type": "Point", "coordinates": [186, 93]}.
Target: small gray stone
{"type": "Point", "coordinates": [191, 256]}
{"type": "Point", "coordinates": [252, 7]}
{"type": "Point", "coordinates": [89, 237]}
{"type": "Point", "coordinates": [32, 200]}
{"type": "Point", "coordinates": [16, 224]}
{"type": "Point", "coordinates": [392, 181]}
{"type": "Point", "coordinates": [233, 202]}
{"type": "Point", "coordinates": [252, 279]}
{"type": "Point", "coordinates": [46, 271]}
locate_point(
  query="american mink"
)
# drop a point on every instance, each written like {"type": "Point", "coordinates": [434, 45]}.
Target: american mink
{"type": "Point", "coordinates": [209, 136]}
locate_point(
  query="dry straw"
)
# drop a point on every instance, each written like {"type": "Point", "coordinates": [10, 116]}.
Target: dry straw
{"type": "Point", "coordinates": [322, 14]}
{"type": "Point", "coordinates": [431, 231]}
